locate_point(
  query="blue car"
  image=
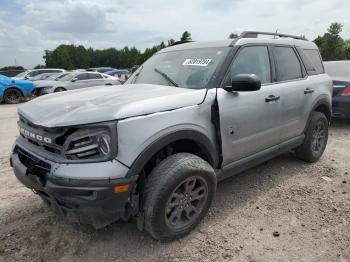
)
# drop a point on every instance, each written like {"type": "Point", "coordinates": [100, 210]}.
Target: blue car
{"type": "Point", "coordinates": [13, 91]}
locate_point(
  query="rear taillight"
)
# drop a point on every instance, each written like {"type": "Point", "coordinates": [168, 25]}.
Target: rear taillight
{"type": "Point", "coordinates": [346, 91]}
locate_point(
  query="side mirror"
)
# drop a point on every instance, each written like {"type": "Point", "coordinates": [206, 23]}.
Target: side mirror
{"type": "Point", "coordinates": [244, 83]}
{"type": "Point", "coordinates": [74, 79]}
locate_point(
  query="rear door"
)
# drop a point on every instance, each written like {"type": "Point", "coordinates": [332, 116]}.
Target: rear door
{"type": "Point", "coordinates": [82, 80]}
{"type": "Point", "coordinates": [96, 79]}
{"type": "Point", "coordinates": [292, 84]}
{"type": "Point", "coordinates": [250, 122]}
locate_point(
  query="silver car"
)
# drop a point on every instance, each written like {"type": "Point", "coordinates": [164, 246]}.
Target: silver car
{"type": "Point", "coordinates": [75, 80]}
{"type": "Point", "coordinates": [29, 74]}
{"type": "Point", "coordinates": [191, 115]}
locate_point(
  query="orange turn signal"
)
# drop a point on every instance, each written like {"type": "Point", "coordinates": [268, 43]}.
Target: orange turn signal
{"type": "Point", "coordinates": [120, 189]}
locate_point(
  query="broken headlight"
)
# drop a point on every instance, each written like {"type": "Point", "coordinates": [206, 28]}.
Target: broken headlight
{"type": "Point", "coordinates": [97, 144]}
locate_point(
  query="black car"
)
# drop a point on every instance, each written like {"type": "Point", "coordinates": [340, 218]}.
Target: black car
{"type": "Point", "coordinates": [339, 71]}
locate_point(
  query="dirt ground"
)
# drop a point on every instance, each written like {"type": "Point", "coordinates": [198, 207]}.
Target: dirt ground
{"type": "Point", "coordinates": [309, 215]}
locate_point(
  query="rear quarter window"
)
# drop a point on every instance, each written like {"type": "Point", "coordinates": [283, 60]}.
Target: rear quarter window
{"type": "Point", "coordinates": [314, 56]}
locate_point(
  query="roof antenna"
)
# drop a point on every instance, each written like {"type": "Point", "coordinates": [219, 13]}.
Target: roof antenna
{"type": "Point", "coordinates": [275, 36]}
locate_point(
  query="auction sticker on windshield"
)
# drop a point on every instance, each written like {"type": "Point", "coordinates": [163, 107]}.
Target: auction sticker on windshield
{"type": "Point", "coordinates": [196, 62]}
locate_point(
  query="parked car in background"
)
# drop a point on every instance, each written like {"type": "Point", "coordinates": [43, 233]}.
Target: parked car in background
{"type": "Point", "coordinates": [100, 69]}
{"type": "Point", "coordinates": [76, 80]}
{"type": "Point", "coordinates": [12, 91]}
{"type": "Point", "coordinates": [42, 76]}
{"type": "Point", "coordinates": [339, 71]}
{"type": "Point", "coordinates": [51, 79]}
{"type": "Point", "coordinates": [27, 75]}
{"type": "Point", "coordinates": [122, 74]}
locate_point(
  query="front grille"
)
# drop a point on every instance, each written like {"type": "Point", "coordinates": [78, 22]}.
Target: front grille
{"type": "Point", "coordinates": [37, 169]}
{"type": "Point", "coordinates": [31, 161]}
{"type": "Point", "coordinates": [58, 136]}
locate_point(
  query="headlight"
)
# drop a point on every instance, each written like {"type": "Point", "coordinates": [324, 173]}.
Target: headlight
{"type": "Point", "coordinates": [98, 144]}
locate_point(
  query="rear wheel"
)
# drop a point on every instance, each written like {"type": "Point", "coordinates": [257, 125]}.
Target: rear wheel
{"type": "Point", "coordinates": [316, 138]}
{"type": "Point", "coordinates": [178, 194]}
{"type": "Point", "coordinates": [13, 96]}
{"type": "Point", "coordinates": [59, 89]}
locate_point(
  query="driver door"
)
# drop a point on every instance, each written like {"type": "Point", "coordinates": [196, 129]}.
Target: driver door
{"type": "Point", "coordinates": [249, 123]}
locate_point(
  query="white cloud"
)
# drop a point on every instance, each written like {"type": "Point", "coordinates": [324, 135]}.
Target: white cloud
{"type": "Point", "coordinates": [40, 24]}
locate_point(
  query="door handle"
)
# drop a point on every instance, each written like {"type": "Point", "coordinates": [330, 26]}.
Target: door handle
{"type": "Point", "coordinates": [308, 91]}
{"type": "Point", "coordinates": [271, 98]}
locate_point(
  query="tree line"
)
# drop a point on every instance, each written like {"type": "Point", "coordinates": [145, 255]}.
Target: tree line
{"type": "Point", "coordinates": [331, 45]}
{"type": "Point", "coordinates": [73, 57]}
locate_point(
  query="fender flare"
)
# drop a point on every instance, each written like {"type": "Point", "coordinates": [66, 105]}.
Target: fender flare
{"type": "Point", "coordinates": [322, 100]}
{"type": "Point", "coordinates": [202, 140]}
{"type": "Point", "coordinates": [13, 87]}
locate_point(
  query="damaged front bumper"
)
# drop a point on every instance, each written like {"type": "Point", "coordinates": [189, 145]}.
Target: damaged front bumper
{"type": "Point", "coordinates": [97, 201]}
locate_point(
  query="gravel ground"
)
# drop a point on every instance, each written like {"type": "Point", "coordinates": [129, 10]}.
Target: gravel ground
{"type": "Point", "coordinates": [282, 210]}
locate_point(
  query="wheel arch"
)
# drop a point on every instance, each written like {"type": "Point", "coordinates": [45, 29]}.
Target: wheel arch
{"type": "Point", "coordinates": [14, 87]}
{"type": "Point", "coordinates": [322, 105]}
{"type": "Point", "coordinates": [65, 89]}
{"type": "Point", "coordinates": [189, 141]}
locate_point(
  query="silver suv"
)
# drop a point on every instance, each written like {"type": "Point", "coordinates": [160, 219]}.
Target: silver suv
{"type": "Point", "coordinates": [190, 116]}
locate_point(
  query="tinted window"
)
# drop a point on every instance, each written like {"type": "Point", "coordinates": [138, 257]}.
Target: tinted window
{"type": "Point", "coordinates": [95, 76]}
{"type": "Point", "coordinates": [309, 66]}
{"type": "Point", "coordinates": [252, 60]}
{"type": "Point", "coordinates": [82, 76]}
{"type": "Point", "coordinates": [287, 62]}
{"type": "Point", "coordinates": [315, 58]}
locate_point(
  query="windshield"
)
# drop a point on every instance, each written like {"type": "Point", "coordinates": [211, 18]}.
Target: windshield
{"type": "Point", "coordinates": [22, 74]}
{"type": "Point", "coordinates": [67, 77]}
{"type": "Point", "coordinates": [191, 68]}
{"type": "Point", "coordinates": [57, 77]}
{"type": "Point", "coordinates": [41, 77]}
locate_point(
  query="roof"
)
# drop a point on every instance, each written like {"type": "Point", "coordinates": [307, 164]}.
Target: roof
{"type": "Point", "coordinates": [246, 39]}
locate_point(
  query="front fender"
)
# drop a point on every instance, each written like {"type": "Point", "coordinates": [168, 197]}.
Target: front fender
{"type": "Point", "coordinates": [199, 138]}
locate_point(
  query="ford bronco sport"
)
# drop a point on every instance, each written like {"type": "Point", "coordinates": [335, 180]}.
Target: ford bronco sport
{"type": "Point", "coordinates": [190, 116]}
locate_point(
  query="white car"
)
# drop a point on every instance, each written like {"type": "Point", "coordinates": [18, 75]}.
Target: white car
{"type": "Point", "coordinates": [29, 74]}
{"type": "Point", "coordinates": [75, 80]}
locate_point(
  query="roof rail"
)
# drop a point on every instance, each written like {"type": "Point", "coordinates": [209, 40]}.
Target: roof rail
{"type": "Point", "coordinates": [254, 34]}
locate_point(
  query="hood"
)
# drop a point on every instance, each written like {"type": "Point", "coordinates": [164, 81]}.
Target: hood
{"type": "Point", "coordinates": [23, 82]}
{"type": "Point", "coordinates": [105, 103]}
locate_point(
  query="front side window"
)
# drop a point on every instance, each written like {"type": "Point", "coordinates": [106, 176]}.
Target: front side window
{"type": "Point", "coordinates": [287, 62]}
{"type": "Point", "coordinates": [252, 60]}
{"type": "Point", "coordinates": [190, 68]}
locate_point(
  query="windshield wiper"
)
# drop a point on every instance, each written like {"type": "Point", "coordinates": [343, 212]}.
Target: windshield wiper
{"type": "Point", "coordinates": [166, 77]}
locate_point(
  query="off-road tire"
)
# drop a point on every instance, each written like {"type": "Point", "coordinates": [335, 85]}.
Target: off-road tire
{"type": "Point", "coordinates": [305, 152]}
{"type": "Point", "coordinates": [160, 185]}
{"type": "Point", "coordinates": [13, 96]}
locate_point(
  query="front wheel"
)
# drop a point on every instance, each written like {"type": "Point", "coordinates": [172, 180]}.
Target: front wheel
{"type": "Point", "coordinates": [315, 140]}
{"type": "Point", "coordinates": [178, 194]}
{"type": "Point", "coordinates": [13, 96]}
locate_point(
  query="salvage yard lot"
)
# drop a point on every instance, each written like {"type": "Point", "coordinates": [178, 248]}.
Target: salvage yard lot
{"type": "Point", "coordinates": [281, 210]}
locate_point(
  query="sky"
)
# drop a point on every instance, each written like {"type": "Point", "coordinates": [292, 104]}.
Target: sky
{"type": "Point", "coordinates": [28, 27]}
